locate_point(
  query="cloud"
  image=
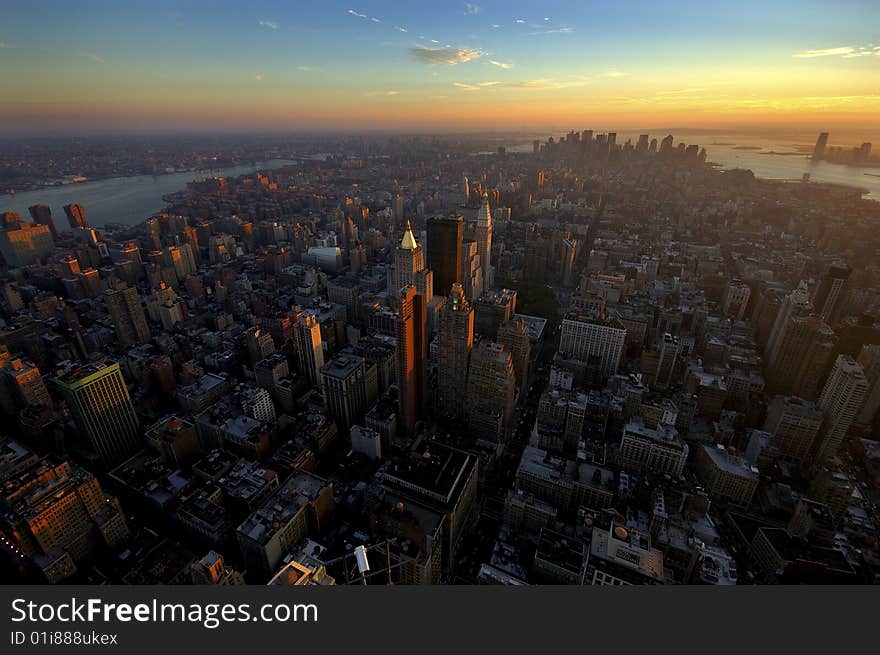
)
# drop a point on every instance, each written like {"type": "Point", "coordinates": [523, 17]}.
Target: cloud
{"type": "Point", "coordinates": [501, 64]}
{"type": "Point", "coordinates": [437, 97]}
{"type": "Point", "coordinates": [826, 52]}
{"type": "Point", "coordinates": [271, 24]}
{"type": "Point", "coordinates": [375, 20]}
{"type": "Point", "coordinates": [444, 56]}
{"type": "Point", "coordinates": [354, 13]}
{"type": "Point", "coordinates": [544, 84]}
{"type": "Point", "coordinates": [520, 21]}
{"type": "Point", "coordinates": [555, 30]}
{"type": "Point", "coordinates": [373, 94]}
{"type": "Point", "coordinates": [614, 73]}
{"type": "Point", "coordinates": [4, 45]}
{"type": "Point", "coordinates": [259, 77]}
{"type": "Point", "coordinates": [305, 69]}
{"type": "Point", "coordinates": [476, 86]}
{"type": "Point", "coordinates": [470, 9]}
{"type": "Point", "coordinates": [494, 26]}
{"type": "Point", "coordinates": [95, 58]}
{"type": "Point", "coordinates": [401, 29]}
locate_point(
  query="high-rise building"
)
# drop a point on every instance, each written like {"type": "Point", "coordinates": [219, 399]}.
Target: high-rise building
{"type": "Point", "coordinates": [127, 313]}
{"type": "Point", "coordinates": [26, 384]}
{"type": "Point", "coordinates": [736, 299]}
{"type": "Point", "coordinates": [397, 209]}
{"type": "Point", "coordinates": [409, 268]}
{"type": "Point", "coordinates": [410, 327]}
{"type": "Point", "coordinates": [42, 215]}
{"type": "Point", "coordinates": [793, 425]}
{"type": "Point", "coordinates": [586, 337]}
{"type": "Point", "coordinates": [76, 215]}
{"type": "Point", "coordinates": [455, 342]}
{"type": "Point", "coordinates": [492, 310]}
{"type": "Point", "coordinates": [801, 356]}
{"type": "Point", "coordinates": [23, 242]}
{"type": "Point", "coordinates": [309, 347]}
{"type": "Point", "coordinates": [484, 241]}
{"type": "Point", "coordinates": [821, 143]}
{"type": "Point", "coordinates": [832, 292]}
{"type": "Point", "coordinates": [796, 304]}
{"type": "Point", "coordinates": [471, 272]}
{"type": "Point", "coordinates": [99, 403]}
{"type": "Point", "coordinates": [260, 343]}
{"type": "Point", "coordinates": [444, 251]}
{"type": "Point", "coordinates": [841, 399]}
{"type": "Point", "coordinates": [345, 389]}
{"type": "Point", "coordinates": [869, 358]}
{"type": "Point", "coordinates": [514, 336]}
{"type": "Point", "coordinates": [491, 391]}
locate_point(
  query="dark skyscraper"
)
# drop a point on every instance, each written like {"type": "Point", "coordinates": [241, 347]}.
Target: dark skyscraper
{"type": "Point", "coordinates": [76, 215]}
{"type": "Point", "coordinates": [821, 142]}
{"type": "Point", "coordinates": [411, 351]}
{"type": "Point", "coordinates": [456, 340]}
{"type": "Point", "coordinates": [831, 292]}
{"type": "Point", "coordinates": [444, 252]}
{"type": "Point", "coordinates": [42, 215]}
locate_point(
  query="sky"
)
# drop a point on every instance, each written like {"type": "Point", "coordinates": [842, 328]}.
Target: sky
{"type": "Point", "coordinates": [439, 66]}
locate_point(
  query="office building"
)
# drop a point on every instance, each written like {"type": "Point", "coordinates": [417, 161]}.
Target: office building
{"type": "Point", "coordinates": [658, 450]}
{"type": "Point", "coordinates": [345, 389]}
{"type": "Point", "coordinates": [585, 338]}
{"type": "Point", "coordinates": [99, 403]}
{"type": "Point", "coordinates": [22, 243]}
{"type": "Point", "coordinates": [76, 216]}
{"type": "Point", "coordinates": [42, 215]}
{"type": "Point", "coordinates": [727, 475]}
{"type": "Point", "coordinates": [831, 293]}
{"type": "Point", "coordinates": [490, 391]}
{"type": "Point", "coordinates": [793, 425]}
{"type": "Point", "coordinates": [484, 241]}
{"type": "Point", "coordinates": [840, 400]}
{"type": "Point", "coordinates": [514, 336]}
{"type": "Point", "coordinates": [309, 347]}
{"type": "Point", "coordinates": [127, 313]}
{"type": "Point", "coordinates": [444, 251]}
{"type": "Point", "coordinates": [869, 358]}
{"type": "Point", "coordinates": [410, 327]}
{"type": "Point", "coordinates": [455, 341]}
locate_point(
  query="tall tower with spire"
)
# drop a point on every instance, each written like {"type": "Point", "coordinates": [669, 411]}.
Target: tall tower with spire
{"type": "Point", "coordinates": [409, 268]}
{"type": "Point", "coordinates": [484, 241]}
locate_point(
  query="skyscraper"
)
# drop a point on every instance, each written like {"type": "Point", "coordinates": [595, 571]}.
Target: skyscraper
{"type": "Point", "coordinates": [841, 400]}
{"type": "Point", "coordinates": [409, 268]}
{"type": "Point", "coordinates": [444, 251]}
{"type": "Point", "coordinates": [345, 390]}
{"type": "Point", "coordinates": [821, 143]}
{"type": "Point", "coordinates": [484, 241]}
{"type": "Point", "coordinates": [309, 347]}
{"type": "Point", "coordinates": [869, 358]}
{"type": "Point", "coordinates": [99, 403]}
{"type": "Point", "coordinates": [411, 350]}
{"type": "Point", "coordinates": [42, 215]}
{"type": "Point", "coordinates": [491, 391]}
{"type": "Point", "coordinates": [514, 336]}
{"type": "Point", "coordinates": [796, 304]}
{"type": "Point", "coordinates": [76, 215]}
{"type": "Point", "coordinates": [831, 292]}
{"type": "Point", "coordinates": [455, 342]}
{"type": "Point", "coordinates": [127, 313]}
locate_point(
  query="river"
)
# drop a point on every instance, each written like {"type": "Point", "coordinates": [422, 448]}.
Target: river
{"type": "Point", "coordinates": [128, 200]}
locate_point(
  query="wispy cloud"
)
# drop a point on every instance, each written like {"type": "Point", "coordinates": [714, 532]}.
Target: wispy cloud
{"type": "Point", "coordinates": [501, 64]}
{"type": "Point", "coordinates": [614, 73]}
{"type": "Point", "coordinates": [401, 29]}
{"type": "Point", "coordinates": [375, 20]}
{"type": "Point", "coordinates": [3, 44]}
{"type": "Point", "coordinates": [355, 13]}
{"type": "Point", "coordinates": [373, 94]}
{"type": "Point", "coordinates": [259, 77]}
{"type": "Point", "coordinates": [544, 84]}
{"type": "Point", "coordinates": [92, 56]}
{"type": "Point", "coordinates": [476, 86]}
{"type": "Point", "coordinates": [470, 9]}
{"type": "Point", "coordinates": [555, 30]}
{"type": "Point", "coordinates": [444, 56]}
{"type": "Point", "coordinates": [825, 52]}
{"type": "Point", "coordinates": [305, 69]}
{"type": "Point", "coordinates": [271, 24]}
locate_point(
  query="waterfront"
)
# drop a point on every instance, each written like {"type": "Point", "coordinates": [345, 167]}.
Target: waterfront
{"type": "Point", "coordinates": [127, 200]}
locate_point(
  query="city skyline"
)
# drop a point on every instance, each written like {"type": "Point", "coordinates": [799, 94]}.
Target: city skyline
{"type": "Point", "coordinates": [447, 66]}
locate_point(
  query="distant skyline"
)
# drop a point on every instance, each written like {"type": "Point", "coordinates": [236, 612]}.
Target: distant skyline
{"type": "Point", "coordinates": [450, 66]}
